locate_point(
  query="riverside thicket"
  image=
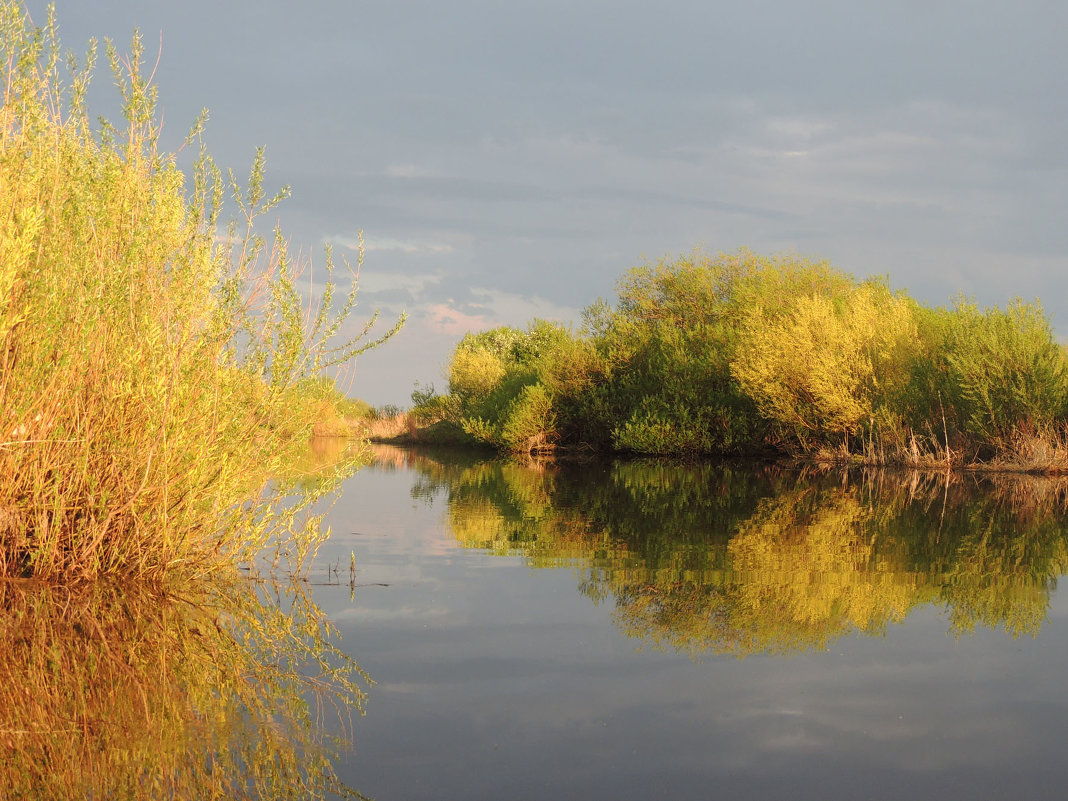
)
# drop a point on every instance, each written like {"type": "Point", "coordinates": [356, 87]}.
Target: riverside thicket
{"type": "Point", "coordinates": [150, 356]}
{"type": "Point", "coordinates": [745, 354]}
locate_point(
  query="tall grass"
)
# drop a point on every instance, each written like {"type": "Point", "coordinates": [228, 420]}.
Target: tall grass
{"type": "Point", "coordinates": [146, 358]}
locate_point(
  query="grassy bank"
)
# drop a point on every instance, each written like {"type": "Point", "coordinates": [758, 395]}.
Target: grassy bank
{"type": "Point", "coordinates": [149, 354]}
{"type": "Point", "coordinates": [740, 354]}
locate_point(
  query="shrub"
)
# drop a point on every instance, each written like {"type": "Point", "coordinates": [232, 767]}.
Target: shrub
{"type": "Point", "coordinates": [529, 424]}
{"type": "Point", "coordinates": [501, 385]}
{"type": "Point", "coordinates": [669, 343]}
{"type": "Point", "coordinates": [387, 411]}
{"type": "Point", "coordinates": [428, 407]}
{"type": "Point", "coordinates": [355, 409]}
{"type": "Point", "coordinates": [1004, 369]}
{"type": "Point", "coordinates": [146, 369]}
{"type": "Point", "coordinates": [473, 374]}
{"type": "Point", "coordinates": [656, 429]}
{"type": "Point", "coordinates": [735, 353]}
{"type": "Point", "coordinates": [823, 368]}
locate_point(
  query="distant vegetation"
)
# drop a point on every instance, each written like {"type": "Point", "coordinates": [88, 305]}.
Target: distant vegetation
{"type": "Point", "coordinates": [154, 362]}
{"type": "Point", "coordinates": [745, 354]}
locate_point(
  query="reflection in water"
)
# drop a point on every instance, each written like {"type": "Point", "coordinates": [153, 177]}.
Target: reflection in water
{"type": "Point", "coordinates": [181, 692]}
{"type": "Point", "coordinates": [745, 560]}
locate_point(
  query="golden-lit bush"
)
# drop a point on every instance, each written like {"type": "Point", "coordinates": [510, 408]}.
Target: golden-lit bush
{"type": "Point", "coordinates": [145, 360]}
{"type": "Point", "coordinates": [823, 367]}
{"type": "Point", "coordinates": [473, 374]}
{"type": "Point", "coordinates": [743, 354]}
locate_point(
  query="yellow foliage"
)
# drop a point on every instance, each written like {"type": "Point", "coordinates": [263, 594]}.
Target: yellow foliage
{"type": "Point", "coordinates": [144, 365]}
{"type": "Point", "coordinates": [474, 373]}
{"type": "Point", "coordinates": [822, 366]}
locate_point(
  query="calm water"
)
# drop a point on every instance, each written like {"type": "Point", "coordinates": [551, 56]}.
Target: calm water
{"type": "Point", "coordinates": [635, 631]}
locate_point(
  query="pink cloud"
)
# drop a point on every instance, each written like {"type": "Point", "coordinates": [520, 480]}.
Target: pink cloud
{"type": "Point", "coordinates": [446, 320]}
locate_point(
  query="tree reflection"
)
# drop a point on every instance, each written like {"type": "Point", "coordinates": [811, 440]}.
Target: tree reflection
{"type": "Point", "coordinates": [195, 691]}
{"type": "Point", "coordinates": [730, 559]}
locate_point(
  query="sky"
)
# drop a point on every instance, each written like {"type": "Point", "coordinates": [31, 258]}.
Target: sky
{"type": "Point", "coordinates": [510, 160]}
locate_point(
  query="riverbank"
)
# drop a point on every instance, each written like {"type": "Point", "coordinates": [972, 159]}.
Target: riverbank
{"type": "Point", "coordinates": [738, 353]}
{"type": "Point", "coordinates": [1033, 455]}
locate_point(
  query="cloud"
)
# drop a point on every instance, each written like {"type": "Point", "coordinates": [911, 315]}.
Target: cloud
{"type": "Point", "coordinates": [372, 244]}
{"type": "Point", "coordinates": [490, 308]}
{"type": "Point", "coordinates": [413, 283]}
{"type": "Point", "coordinates": [407, 246]}
{"type": "Point", "coordinates": [446, 320]}
{"type": "Point", "coordinates": [515, 307]}
{"type": "Point", "coordinates": [406, 171]}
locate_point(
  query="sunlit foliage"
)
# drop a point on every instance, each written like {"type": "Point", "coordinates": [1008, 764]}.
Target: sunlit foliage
{"type": "Point", "coordinates": [1005, 369]}
{"type": "Point", "coordinates": [502, 382]}
{"type": "Point", "coordinates": [147, 359]}
{"type": "Point", "coordinates": [746, 354]}
{"type": "Point", "coordinates": [827, 365]}
{"type": "Point", "coordinates": [670, 341]}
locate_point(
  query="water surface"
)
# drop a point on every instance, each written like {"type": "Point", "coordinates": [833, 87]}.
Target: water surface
{"type": "Point", "coordinates": [637, 630]}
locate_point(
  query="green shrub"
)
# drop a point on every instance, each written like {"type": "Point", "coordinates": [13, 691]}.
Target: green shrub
{"type": "Point", "coordinates": [529, 423]}
{"type": "Point", "coordinates": [503, 383]}
{"type": "Point", "coordinates": [736, 353]}
{"type": "Point", "coordinates": [428, 407]}
{"type": "Point", "coordinates": [1004, 369]}
{"type": "Point", "coordinates": [669, 344]}
{"type": "Point", "coordinates": [387, 411]}
{"type": "Point", "coordinates": [147, 369]}
{"type": "Point", "coordinates": [656, 429]}
{"type": "Point", "coordinates": [355, 408]}
{"type": "Point", "coordinates": [473, 374]}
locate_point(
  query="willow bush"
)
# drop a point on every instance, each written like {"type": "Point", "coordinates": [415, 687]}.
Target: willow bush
{"type": "Point", "coordinates": [742, 354]}
{"type": "Point", "coordinates": [827, 366]}
{"type": "Point", "coordinates": [146, 360]}
{"type": "Point", "coordinates": [665, 384]}
{"type": "Point", "coordinates": [1005, 369]}
{"type": "Point", "coordinates": [502, 382]}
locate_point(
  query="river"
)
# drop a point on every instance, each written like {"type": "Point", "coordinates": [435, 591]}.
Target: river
{"type": "Point", "coordinates": [635, 630]}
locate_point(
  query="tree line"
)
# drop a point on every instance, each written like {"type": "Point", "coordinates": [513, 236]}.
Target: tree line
{"type": "Point", "coordinates": [743, 354]}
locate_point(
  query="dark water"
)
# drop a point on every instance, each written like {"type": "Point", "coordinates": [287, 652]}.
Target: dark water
{"type": "Point", "coordinates": [635, 631]}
